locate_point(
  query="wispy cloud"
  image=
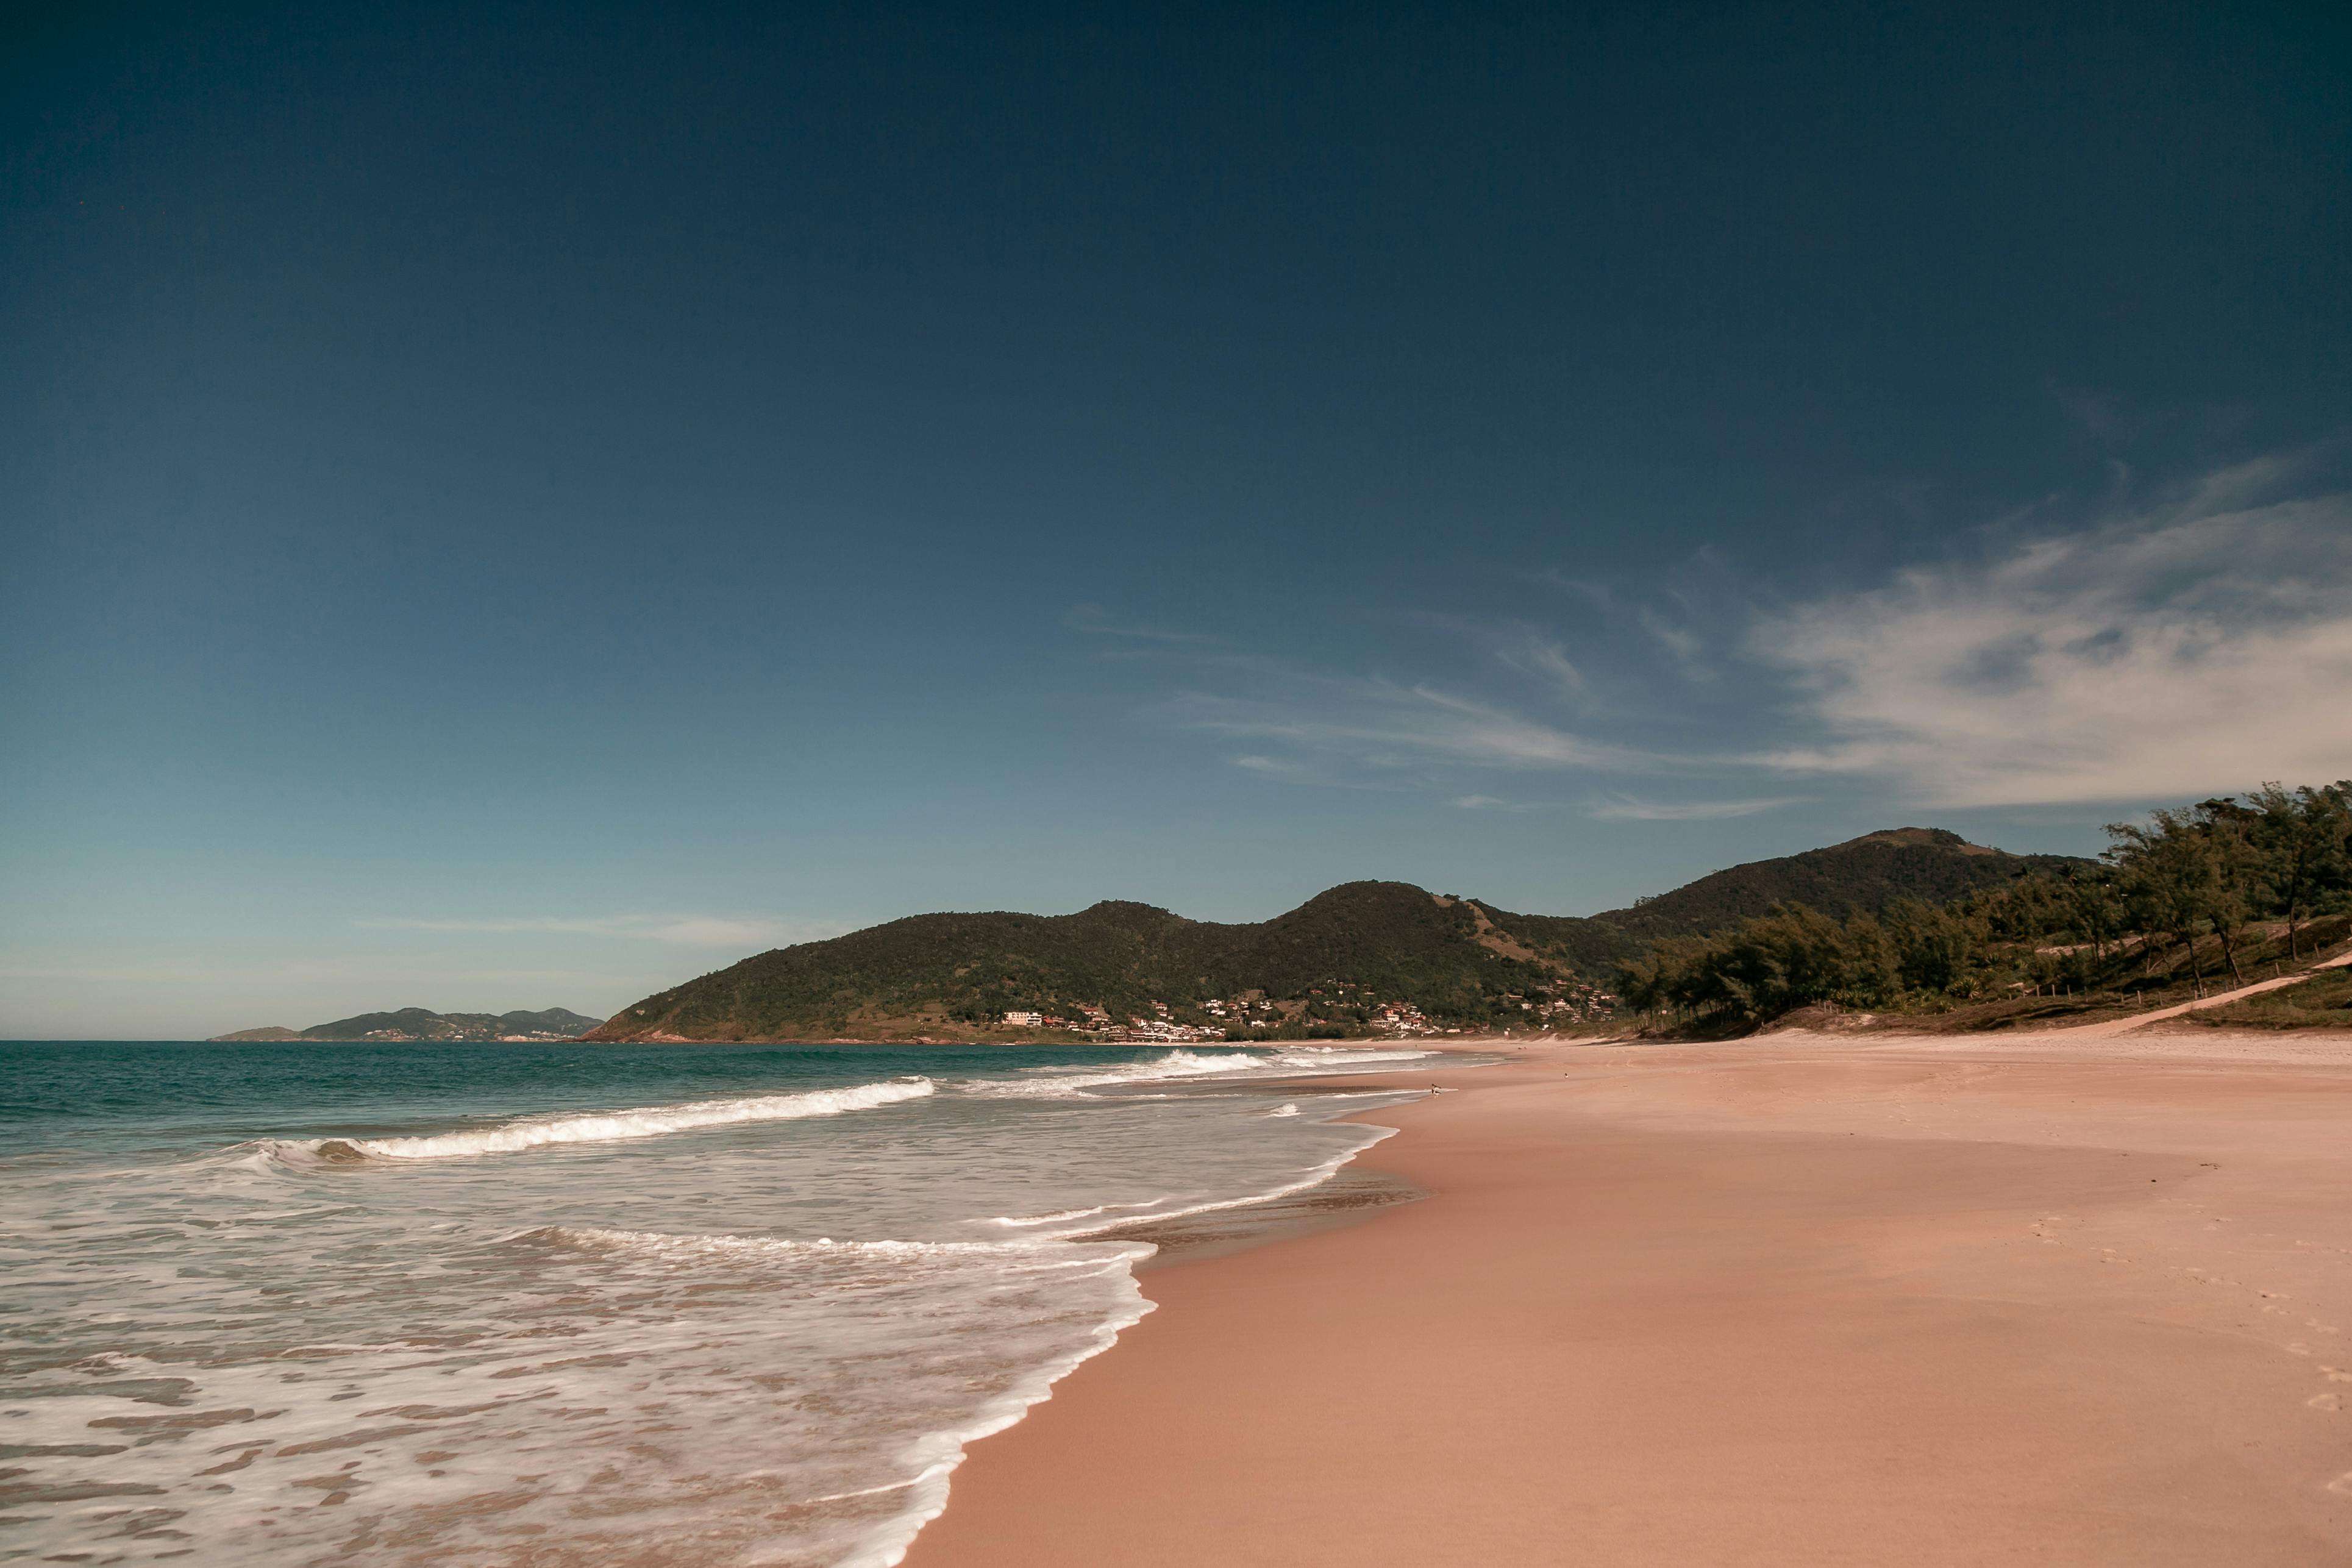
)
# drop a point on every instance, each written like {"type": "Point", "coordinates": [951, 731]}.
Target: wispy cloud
{"type": "Point", "coordinates": [1381, 724]}
{"type": "Point", "coordinates": [1597, 595]}
{"type": "Point", "coordinates": [2096, 414]}
{"type": "Point", "coordinates": [2201, 643]}
{"type": "Point", "coordinates": [1289, 770]}
{"type": "Point", "coordinates": [2173, 645]}
{"type": "Point", "coordinates": [1685, 644]}
{"type": "Point", "coordinates": [1097, 621]}
{"type": "Point", "coordinates": [682, 930]}
{"type": "Point", "coordinates": [1668, 617]}
{"type": "Point", "coordinates": [180, 972]}
{"type": "Point", "coordinates": [1533, 653]}
{"type": "Point", "coordinates": [312, 974]}
{"type": "Point", "coordinates": [1626, 808]}
{"type": "Point", "coordinates": [1492, 803]}
{"type": "Point", "coordinates": [1272, 767]}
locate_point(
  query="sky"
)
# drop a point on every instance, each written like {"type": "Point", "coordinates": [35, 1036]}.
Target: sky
{"type": "Point", "coordinates": [511, 507]}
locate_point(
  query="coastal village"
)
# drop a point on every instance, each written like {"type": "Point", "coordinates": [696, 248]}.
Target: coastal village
{"type": "Point", "coordinates": [1253, 1017]}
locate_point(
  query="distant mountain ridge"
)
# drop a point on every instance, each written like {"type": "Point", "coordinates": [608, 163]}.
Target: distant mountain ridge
{"type": "Point", "coordinates": [955, 975]}
{"type": "Point", "coordinates": [1328, 965]}
{"type": "Point", "coordinates": [419, 1024]}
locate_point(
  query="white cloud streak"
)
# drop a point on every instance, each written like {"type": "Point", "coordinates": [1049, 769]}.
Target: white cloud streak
{"type": "Point", "coordinates": [2196, 643]}
{"type": "Point", "coordinates": [2196, 648]}
{"type": "Point", "coordinates": [1381, 724]}
{"type": "Point", "coordinates": [1596, 594]}
{"type": "Point", "coordinates": [1626, 808]}
{"type": "Point", "coordinates": [1679, 641]}
{"type": "Point", "coordinates": [1491, 803]}
{"type": "Point", "coordinates": [1096, 621]}
{"type": "Point", "coordinates": [680, 931]}
{"type": "Point", "coordinates": [1547, 661]}
{"type": "Point", "coordinates": [181, 972]}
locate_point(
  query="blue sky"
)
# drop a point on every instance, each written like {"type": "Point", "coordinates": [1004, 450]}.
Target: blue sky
{"type": "Point", "coordinates": [519, 510]}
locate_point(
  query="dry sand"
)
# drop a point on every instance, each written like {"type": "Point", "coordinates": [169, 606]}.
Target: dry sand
{"type": "Point", "coordinates": [1790, 1300]}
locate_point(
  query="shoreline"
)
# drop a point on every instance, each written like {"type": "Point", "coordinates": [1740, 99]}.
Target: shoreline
{"type": "Point", "coordinates": [1790, 1299]}
{"type": "Point", "coordinates": [1354, 1191]}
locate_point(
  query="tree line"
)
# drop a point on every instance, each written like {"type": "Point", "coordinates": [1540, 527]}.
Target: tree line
{"type": "Point", "coordinates": [2209, 888]}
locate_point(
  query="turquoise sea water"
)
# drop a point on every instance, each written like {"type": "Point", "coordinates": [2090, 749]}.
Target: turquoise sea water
{"type": "Point", "coordinates": [369, 1303]}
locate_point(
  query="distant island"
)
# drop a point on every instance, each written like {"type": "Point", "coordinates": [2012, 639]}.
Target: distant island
{"type": "Point", "coordinates": [418, 1024]}
{"type": "Point", "coordinates": [1365, 959]}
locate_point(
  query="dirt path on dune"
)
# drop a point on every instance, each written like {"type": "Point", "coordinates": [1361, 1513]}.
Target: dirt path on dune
{"type": "Point", "coordinates": [2119, 1025]}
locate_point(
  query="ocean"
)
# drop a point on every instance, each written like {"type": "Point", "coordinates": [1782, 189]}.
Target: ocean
{"type": "Point", "coordinates": [461, 1304]}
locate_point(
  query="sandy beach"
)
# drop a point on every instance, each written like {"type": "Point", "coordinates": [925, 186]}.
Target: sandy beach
{"type": "Point", "coordinates": [1790, 1299]}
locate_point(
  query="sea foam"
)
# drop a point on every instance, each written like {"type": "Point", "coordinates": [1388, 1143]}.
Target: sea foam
{"type": "Point", "coordinates": [1061, 1083]}
{"type": "Point", "coordinates": [1328, 1057]}
{"type": "Point", "coordinates": [775, 1347]}
{"type": "Point", "coordinates": [603, 1126]}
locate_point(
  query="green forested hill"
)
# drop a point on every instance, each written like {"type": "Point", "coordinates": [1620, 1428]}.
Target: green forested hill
{"type": "Point", "coordinates": [1462, 962]}
{"type": "Point", "coordinates": [1861, 876]}
{"type": "Point", "coordinates": [2183, 900]}
{"type": "Point", "coordinates": [948, 974]}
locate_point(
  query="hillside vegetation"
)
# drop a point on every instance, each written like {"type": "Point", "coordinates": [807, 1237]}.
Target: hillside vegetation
{"type": "Point", "coordinates": [2194, 898]}
{"type": "Point", "coordinates": [1863, 876]}
{"type": "Point", "coordinates": [1328, 967]}
{"type": "Point", "coordinates": [955, 975]}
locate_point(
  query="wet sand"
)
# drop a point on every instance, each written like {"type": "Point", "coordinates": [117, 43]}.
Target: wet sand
{"type": "Point", "coordinates": [1786, 1300]}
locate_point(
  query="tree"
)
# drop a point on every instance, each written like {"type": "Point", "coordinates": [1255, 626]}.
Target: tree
{"type": "Point", "coordinates": [2168, 876]}
{"type": "Point", "coordinates": [1933, 948]}
{"type": "Point", "coordinates": [2094, 913]}
{"type": "Point", "coordinates": [2234, 871]}
{"type": "Point", "coordinates": [2298, 839]}
{"type": "Point", "coordinates": [1642, 983]}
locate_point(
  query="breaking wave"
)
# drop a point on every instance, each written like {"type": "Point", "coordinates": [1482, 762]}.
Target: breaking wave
{"type": "Point", "coordinates": [600, 1126]}
{"type": "Point", "coordinates": [1059, 1083]}
{"type": "Point", "coordinates": [1340, 1056]}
